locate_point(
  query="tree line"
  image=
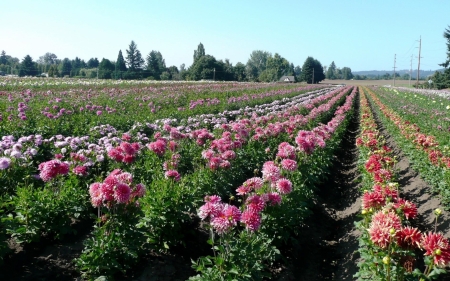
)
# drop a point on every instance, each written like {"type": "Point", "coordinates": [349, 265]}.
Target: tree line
{"type": "Point", "coordinates": [441, 80]}
{"type": "Point", "coordinates": [261, 66]}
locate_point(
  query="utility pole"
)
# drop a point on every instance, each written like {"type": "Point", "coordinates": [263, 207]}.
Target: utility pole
{"type": "Point", "coordinates": [418, 66]}
{"type": "Point", "coordinates": [410, 72]}
{"type": "Point", "coordinates": [313, 77]}
{"type": "Point", "coordinates": [97, 72]}
{"type": "Point", "coordinates": [214, 75]}
{"type": "Point", "coordinates": [395, 58]}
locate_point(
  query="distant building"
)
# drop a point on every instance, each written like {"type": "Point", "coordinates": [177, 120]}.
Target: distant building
{"type": "Point", "coordinates": [287, 79]}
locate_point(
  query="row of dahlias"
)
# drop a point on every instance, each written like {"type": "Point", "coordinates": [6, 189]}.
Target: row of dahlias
{"type": "Point", "coordinates": [258, 195]}
{"type": "Point", "coordinates": [424, 142]}
{"type": "Point", "coordinates": [215, 120]}
{"type": "Point", "coordinates": [388, 241]}
{"type": "Point", "coordinates": [428, 154]}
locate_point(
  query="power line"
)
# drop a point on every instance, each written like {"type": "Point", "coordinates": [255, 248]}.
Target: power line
{"type": "Point", "coordinates": [418, 66]}
{"type": "Point", "coordinates": [395, 57]}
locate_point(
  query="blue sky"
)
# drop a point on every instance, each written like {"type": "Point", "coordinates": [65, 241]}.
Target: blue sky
{"type": "Point", "coordinates": [360, 34]}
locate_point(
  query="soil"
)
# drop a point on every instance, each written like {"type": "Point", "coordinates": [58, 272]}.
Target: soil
{"type": "Point", "coordinates": [327, 248]}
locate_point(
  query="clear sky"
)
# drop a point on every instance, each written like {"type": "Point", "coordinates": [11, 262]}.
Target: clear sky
{"type": "Point", "coordinates": [360, 34]}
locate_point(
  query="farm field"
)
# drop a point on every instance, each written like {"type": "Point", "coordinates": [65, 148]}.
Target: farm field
{"type": "Point", "coordinates": [222, 181]}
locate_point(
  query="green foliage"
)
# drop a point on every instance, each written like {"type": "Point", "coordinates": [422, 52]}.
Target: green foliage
{"type": "Point", "coordinates": [155, 65]}
{"type": "Point", "coordinates": [200, 52]}
{"type": "Point", "coordinates": [134, 58]}
{"type": "Point", "coordinates": [115, 245]}
{"type": "Point", "coordinates": [27, 67]}
{"type": "Point", "coordinates": [256, 64]}
{"type": "Point", "coordinates": [105, 69]}
{"type": "Point", "coordinates": [50, 210]}
{"type": "Point", "coordinates": [206, 67]}
{"type": "Point", "coordinates": [238, 256]}
{"type": "Point", "coordinates": [312, 71]}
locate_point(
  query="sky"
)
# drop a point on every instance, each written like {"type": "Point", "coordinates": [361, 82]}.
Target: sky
{"type": "Point", "coordinates": [360, 34]}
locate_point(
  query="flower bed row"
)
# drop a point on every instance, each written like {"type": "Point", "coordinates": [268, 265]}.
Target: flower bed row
{"type": "Point", "coordinates": [427, 156]}
{"type": "Point", "coordinates": [389, 243]}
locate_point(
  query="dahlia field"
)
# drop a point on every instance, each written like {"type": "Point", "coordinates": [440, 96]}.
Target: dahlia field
{"type": "Point", "coordinates": [230, 169]}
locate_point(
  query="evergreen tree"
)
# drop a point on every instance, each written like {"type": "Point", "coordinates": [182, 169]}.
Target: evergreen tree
{"type": "Point", "coordinates": [444, 81]}
{"type": "Point", "coordinates": [27, 67]}
{"type": "Point", "coordinates": [331, 71]}
{"type": "Point", "coordinates": [66, 67]}
{"type": "Point", "coordinates": [200, 52]}
{"type": "Point", "coordinates": [93, 63]}
{"type": "Point", "coordinates": [3, 59]}
{"type": "Point", "coordinates": [134, 57]}
{"type": "Point", "coordinates": [155, 64]}
{"type": "Point", "coordinates": [307, 70]}
{"type": "Point", "coordinates": [120, 65]}
{"type": "Point", "coordinates": [447, 37]}
{"type": "Point", "coordinates": [318, 72]}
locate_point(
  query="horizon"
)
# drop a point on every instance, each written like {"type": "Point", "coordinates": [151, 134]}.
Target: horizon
{"type": "Point", "coordinates": [342, 32]}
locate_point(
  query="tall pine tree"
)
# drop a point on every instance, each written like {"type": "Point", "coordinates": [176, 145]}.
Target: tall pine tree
{"type": "Point", "coordinates": [134, 57]}
{"type": "Point", "coordinates": [120, 66]}
{"type": "Point", "coordinates": [27, 67]}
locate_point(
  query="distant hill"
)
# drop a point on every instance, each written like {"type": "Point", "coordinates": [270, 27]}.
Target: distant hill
{"type": "Point", "coordinates": [375, 73]}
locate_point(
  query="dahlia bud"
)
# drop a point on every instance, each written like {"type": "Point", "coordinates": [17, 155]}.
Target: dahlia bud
{"type": "Point", "coordinates": [386, 260]}
{"type": "Point", "coordinates": [438, 252]}
{"type": "Point", "coordinates": [364, 212]}
{"type": "Point", "coordinates": [438, 212]}
{"type": "Point", "coordinates": [392, 231]}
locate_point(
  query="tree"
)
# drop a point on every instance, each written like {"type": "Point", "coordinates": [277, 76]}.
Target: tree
{"type": "Point", "coordinates": [27, 67]}
{"type": "Point", "coordinates": [77, 64]}
{"type": "Point", "coordinates": [174, 73]}
{"type": "Point", "coordinates": [297, 72]}
{"type": "Point", "coordinates": [105, 69]}
{"type": "Point", "coordinates": [312, 71]}
{"type": "Point", "coordinates": [183, 72]}
{"type": "Point", "coordinates": [239, 72]}
{"type": "Point", "coordinates": [319, 74]}
{"type": "Point", "coordinates": [256, 64]}
{"type": "Point", "coordinates": [228, 72]}
{"type": "Point", "coordinates": [3, 59]}
{"type": "Point", "coordinates": [347, 73]}
{"type": "Point", "coordinates": [155, 64]}
{"type": "Point", "coordinates": [134, 61]}
{"type": "Point", "coordinates": [276, 66]}
{"type": "Point", "coordinates": [447, 36]}
{"type": "Point", "coordinates": [53, 71]}
{"type": "Point", "coordinates": [120, 66]}
{"type": "Point", "coordinates": [66, 67]}
{"type": "Point", "coordinates": [331, 71]}
{"type": "Point", "coordinates": [444, 80]}
{"type": "Point", "coordinates": [200, 52]}
{"type": "Point", "coordinates": [48, 58]}
{"type": "Point", "coordinates": [93, 63]}
{"type": "Point", "coordinates": [206, 67]}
